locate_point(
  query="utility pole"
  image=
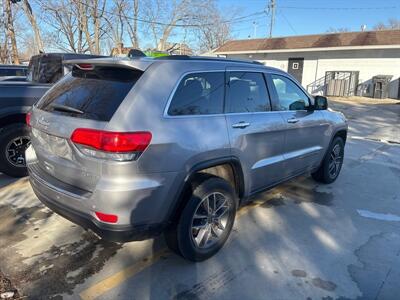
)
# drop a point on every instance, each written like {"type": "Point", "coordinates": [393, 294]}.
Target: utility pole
{"type": "Point", "coordinates": [271, 10]}
{"type": "Point", "coordinates": [255, 24]}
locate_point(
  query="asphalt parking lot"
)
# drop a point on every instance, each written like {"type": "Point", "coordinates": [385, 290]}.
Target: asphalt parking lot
{"type": "Point", "coordinates": [301, 240]}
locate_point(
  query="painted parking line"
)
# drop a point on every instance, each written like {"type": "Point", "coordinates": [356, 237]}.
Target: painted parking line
{"type": "Point", "coordinates": [115, 280]}
{"type": "Point", "coordinates": [378, 216]}
{"type": "Point", "coordinates": [385, 141]}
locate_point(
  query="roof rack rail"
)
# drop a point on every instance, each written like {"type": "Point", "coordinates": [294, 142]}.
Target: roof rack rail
{"type": "Point", "coordinates": [207, 58]}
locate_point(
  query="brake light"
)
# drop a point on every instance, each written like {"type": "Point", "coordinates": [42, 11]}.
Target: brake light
{"type": "Point", "coordinates": [111, 142]}
{"type": "Point", "coordinates": [28, 119]}
{"type": "Point", "coordinates": [106, 217]}
{"type": "Point", "coordinates": [85, 67]}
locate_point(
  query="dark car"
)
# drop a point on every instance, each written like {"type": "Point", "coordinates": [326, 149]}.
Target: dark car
{"type": "Point", "coordinates": [17, 97]}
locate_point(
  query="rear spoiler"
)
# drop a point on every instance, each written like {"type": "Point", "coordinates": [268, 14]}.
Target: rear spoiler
{"type": "Point", "coordinates": [140, 64]}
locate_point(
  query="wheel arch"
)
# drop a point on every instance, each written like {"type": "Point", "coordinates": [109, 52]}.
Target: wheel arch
{"type": "Point", "coordinates": [14, 116]}
{"type": "Point", "coordinates": [340, 133]}
{"type": "Point", "coordinates": [228, 168]}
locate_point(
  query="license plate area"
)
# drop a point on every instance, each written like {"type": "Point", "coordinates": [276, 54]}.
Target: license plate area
{"type": "Point", "coordinates": [53, 144]}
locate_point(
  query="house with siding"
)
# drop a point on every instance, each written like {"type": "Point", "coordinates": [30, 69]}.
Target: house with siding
{"type": "Point", "coordinates": [365, 63]}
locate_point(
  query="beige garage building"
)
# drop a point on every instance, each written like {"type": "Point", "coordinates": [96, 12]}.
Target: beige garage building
{"type": "Point", "coordinates": [337, 64]}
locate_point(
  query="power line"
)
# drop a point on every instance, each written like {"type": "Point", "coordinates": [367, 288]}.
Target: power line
{"type": "Point", "coordinates": [231, 21]}
{"type": "Point", "coordinates": [252, 26]}
{"type": "Point", "coordinates": [287, 21]}
{"type": "Point", "coordinates": [338, 8]}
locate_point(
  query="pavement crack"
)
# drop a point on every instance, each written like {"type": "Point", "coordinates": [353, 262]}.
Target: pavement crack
{"type": "Point", "coordinates": [383, 283]}
{"type": "Point", "coordinates": [379, 251]}
{"type": "Point", "coordinates": [371, 155]}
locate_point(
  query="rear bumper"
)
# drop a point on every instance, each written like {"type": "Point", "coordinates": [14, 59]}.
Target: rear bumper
{"type": "Point", "coordinates": [114, 233]}
{"type": "Point", "coordinates": [142, 210]}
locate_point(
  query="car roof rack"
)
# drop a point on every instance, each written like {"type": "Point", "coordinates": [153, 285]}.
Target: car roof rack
{"type": "Point", "coordinates": [207, 58]}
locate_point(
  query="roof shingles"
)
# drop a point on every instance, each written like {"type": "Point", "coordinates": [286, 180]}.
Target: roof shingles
{"type": "Point", "coordinates": [366, 38]}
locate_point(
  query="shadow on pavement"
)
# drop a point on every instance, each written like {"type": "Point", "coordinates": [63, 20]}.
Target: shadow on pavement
{"type": "Point", "coordinates": [6, 180]}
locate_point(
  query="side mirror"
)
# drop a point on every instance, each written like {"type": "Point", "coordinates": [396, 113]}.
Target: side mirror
{"type": "Point", "coordinates": [320, 103]}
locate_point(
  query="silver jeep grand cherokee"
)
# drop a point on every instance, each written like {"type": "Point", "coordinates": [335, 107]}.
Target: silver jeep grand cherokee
{"type": "Point", "coordinates": [133, 148]}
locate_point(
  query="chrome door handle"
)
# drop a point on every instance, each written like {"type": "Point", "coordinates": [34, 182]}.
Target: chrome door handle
{"type": "Point", "coordinates": [241, 125]}
{"type": "Point", "coordinates": [293, 120]}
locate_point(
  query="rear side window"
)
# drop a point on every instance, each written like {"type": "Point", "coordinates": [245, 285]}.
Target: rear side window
{"type": "Point", "coordinates": [97, 94]}
{"type": "Point", "coordinates": [247, 92]}
{"type": "Point", "coordinates": [199, 94]}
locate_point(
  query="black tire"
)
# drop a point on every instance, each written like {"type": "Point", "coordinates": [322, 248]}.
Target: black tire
{"type": "Point", "coordinates": [325, 174]}
{"type": "Point", "coordinates": [7, 135]}
{"type": "Point", "coordinates": [180, 237]}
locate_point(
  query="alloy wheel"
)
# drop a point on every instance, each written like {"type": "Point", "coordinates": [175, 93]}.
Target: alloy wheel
{"type": "Point", "coordinates": [335, 161]}
{"type": "Point", "coordinates": [210, 220]}
{"type": "Point", "coordinates": [15, 150]}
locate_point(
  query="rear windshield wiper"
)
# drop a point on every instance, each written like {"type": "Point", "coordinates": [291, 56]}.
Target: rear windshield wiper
{"type": "Point", "coordinates": [65, 108]}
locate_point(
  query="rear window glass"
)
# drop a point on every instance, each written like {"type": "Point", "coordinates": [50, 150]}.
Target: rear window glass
{"type": "Point", "coordinates": [45, 68]}
{"type": "Point", "coordinates": [199, 94]}
{"type": "Point", "coordinates": [12, 72]}
{"type": "Point", "coordinates": [97, 94]}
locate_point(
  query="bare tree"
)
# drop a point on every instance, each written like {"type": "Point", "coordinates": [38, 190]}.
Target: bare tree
{"type": "Point", "coordinates": [63, 16]}
{"type": "Point", "coordinates": [337, 30]}
{"type": "Point", "coordinates": [116, 22]}
{"type": "Point", "coordinates": [213, 30]}
{"type": "Point", "coordinates": [122, 22]}
{"type": "Point", "coordinates": [200, 20]}
{"type": "Point", "coordinates": [32, 19]}
{"type": "Point", "coordinates": [391, 24]}
{"type": "Point", "coordinates": [3, 38]}
{"type": "Point", "coordinates": [79, 25]}
{"type": "Point", "coordinates": [164, 16]}
{"type": "Point", "coordinates": [92, 26]}
{"type": "Point", "coordinates": [132, 23]}
{"type": "Point", "coordinates": [96, 10]}
{"type": "Point", "coordinates": [11, 32]}
{"type": "Point", "coordinates": [90, 19]}
{"type": "Point", "coordinates": [394, 23]}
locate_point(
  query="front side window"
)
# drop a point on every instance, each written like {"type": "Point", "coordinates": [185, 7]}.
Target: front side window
{"type": "Point", "coordinates": [247, 92]}
{"type": "Point", "coordinates": [199, 94]}
{"type": "Point", "coordinates": [290, 96]}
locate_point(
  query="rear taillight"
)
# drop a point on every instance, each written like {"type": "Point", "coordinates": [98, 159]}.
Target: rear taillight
{"type": "Point", "coordinates": [106, 217]}
{"type": "Point", "coordinates": [28, 119]}
{"type": "Point", "coordinates": [112, 145]}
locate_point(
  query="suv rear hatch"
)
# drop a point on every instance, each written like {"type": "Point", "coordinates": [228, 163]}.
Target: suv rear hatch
{"type": "Point", "coordinates": [78, 108]}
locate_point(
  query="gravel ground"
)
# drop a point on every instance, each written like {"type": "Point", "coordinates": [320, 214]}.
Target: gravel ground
{"type": "Point", "coordinates": [7, 289]}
